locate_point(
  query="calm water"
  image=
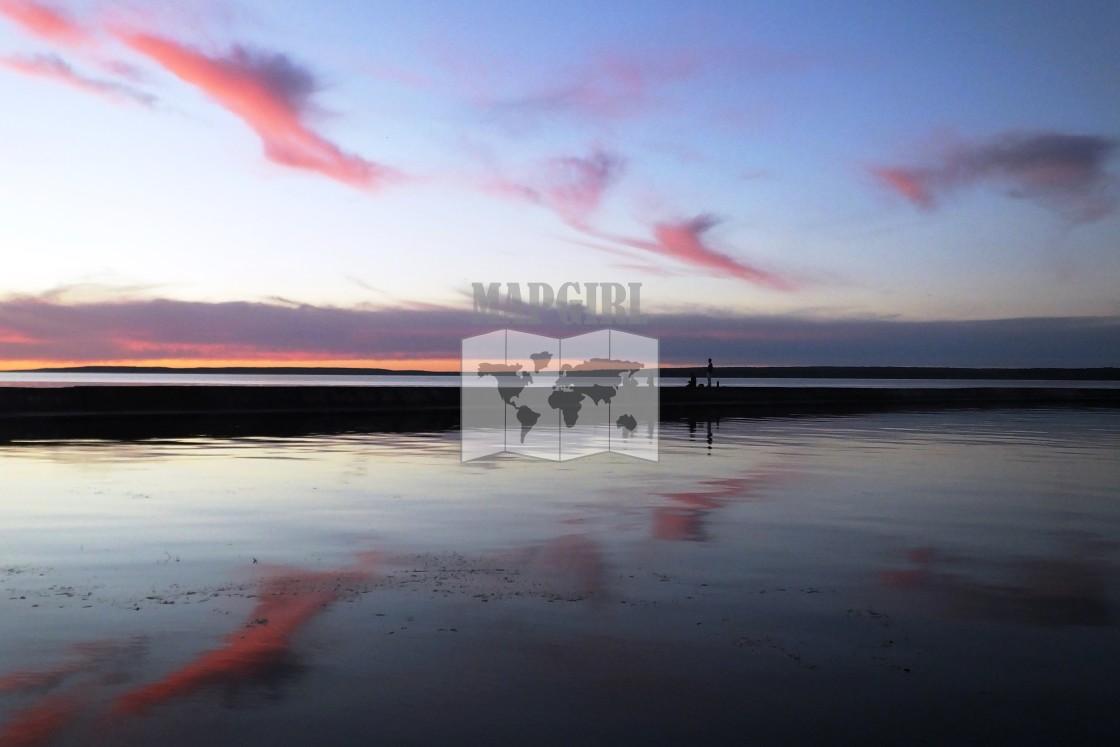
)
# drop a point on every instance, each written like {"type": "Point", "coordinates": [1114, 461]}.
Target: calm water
{"type": "Point", "coordinates": [941, 578]}
{"type": "Point", "coordinates": [20, 379]}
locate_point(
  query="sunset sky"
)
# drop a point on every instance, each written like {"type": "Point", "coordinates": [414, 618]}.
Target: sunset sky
{"type": "Point", "coordinates": [798, 183]}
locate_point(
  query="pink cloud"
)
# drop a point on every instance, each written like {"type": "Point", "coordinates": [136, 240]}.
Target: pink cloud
{"type": "Point", "coordinates": [123, 69]}
{"type": "Point", "coordinates": [624, 84]}
{"type": "Point", "coordinates": [616, 83]}
{"type": "Point", "coordinates": [270, 94]}
{"type": "Point", "coordinates": [44, 22]}
{"type": "Point", "coordinates": [1062, 172]}
{"type": "Point", "coordinates": [571, 186]}
{"type": "Point", "coordinates": [574, 187]}
{"type": "Point", "coordinates": [910, 183]}
{"type": "Point", "coordinates": [608, 86]}
{"type": "Point", "coordinates": [53, 67]}
{"type": "Point", "coordinates": [684, 242]}
{"type": "Point", "coordinates": [53, 26]}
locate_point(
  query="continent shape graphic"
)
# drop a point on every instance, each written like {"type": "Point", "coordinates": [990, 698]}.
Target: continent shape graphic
{"type": "Point", "coordinates": [597, 380]}
{"type": "Point", "coordinates": [540, 360]}
{"type": "Point", "coordinates": [528, 417]}
{"type": "Point", "coordinates": [511, 379]}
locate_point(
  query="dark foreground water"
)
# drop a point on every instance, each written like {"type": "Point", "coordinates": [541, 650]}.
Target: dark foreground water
{"type": "Point", "coordinates": [911, 578]}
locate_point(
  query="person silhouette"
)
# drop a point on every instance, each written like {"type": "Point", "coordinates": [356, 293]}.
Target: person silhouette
{"type": "Point", "coordinates": [710, 369]}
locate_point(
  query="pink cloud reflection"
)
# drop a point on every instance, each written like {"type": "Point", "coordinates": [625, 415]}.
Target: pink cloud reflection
{"type": "Point", "coordinates": [287, 602]}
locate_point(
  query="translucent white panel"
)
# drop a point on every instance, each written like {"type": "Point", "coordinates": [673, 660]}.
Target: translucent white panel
{"type": "Point", "coordinates": [560, 399]}
{"type": "Point", "coordinates": [483, 415]}
{"type": "Point", "coordinates": [635, 408]}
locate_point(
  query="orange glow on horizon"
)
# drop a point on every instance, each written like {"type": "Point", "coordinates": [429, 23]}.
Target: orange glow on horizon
{"type": "Point", "coordinates": [449, 365]}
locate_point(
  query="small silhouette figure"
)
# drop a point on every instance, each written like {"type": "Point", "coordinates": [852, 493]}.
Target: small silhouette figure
{"type": "Point", "coordinates": [710, 369]}
{"type": "Point", "coordinates": [691, 381]}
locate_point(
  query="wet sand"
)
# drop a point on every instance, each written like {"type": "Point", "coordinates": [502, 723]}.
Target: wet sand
{"type": "Point", "coordinates": [543, 645]}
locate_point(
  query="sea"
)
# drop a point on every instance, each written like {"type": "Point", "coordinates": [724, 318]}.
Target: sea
{"type": "Point", "coordinates": [912, 577]}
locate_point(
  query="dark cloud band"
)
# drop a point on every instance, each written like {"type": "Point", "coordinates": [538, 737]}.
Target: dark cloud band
{"type": "Point", "coordinates": [43, 329]}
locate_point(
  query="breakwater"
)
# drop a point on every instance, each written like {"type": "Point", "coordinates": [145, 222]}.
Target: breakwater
{"type": "Point", "coordinates": [133, 412]}
{"type": "Point", "coordinates": [140, 401]}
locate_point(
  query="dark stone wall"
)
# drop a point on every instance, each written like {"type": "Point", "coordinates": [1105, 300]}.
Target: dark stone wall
{"type": "Point", "coordinates": [135, 412]}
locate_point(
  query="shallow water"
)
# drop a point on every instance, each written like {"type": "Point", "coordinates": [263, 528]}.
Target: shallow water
{"type": "Point", "coordinates": [938, 577]}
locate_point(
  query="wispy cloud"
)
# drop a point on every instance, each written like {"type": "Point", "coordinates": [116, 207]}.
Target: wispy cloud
{"type": "Point", "coordinates": [624, 84]}
{"type": "Point", "coordinates": [684, 242]}
{"type": "Point", "coordinates": [571, 186]}
{"type": "Point", "coordinates": [268, 91]}
{"type": "Point", "coordinates": [55, 68]}
{"type": "Point", "coordinates": [607, 86]}
{"type": "Point", "coordinates": [272, 95]}
{"type": "Point", "coordinates": [575, 186]}
{"type": "Point", "coordinates": [1065, 173]}
{"type": "Point", "coordinates": [63, 32]}
{"type": "Point", "coordinates": [611, 84]}
{"type": "Point", "coordinates": [45, 22]}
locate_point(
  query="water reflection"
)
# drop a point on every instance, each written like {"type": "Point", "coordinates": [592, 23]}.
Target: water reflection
{"type": "Point", "coordinates": [685, 520]}
{"type": "Point", "coordinates": [83, 658]}
{"type": "Point", "coordinates": [692, 424]}
{"type": "Point", "coordinates": [262, 654]}
{"type": "Point", "coordinates": [509, 594]}
{"type": "Point", "coordinates": [42, 721]}
{"type": "Point", "coordinates": [1052, 591]}
{"type": "Point", "coordinates": [262, 649]}
{"type": "Point", "coordinates": [570, 567]}
{"type": "Point", "coordinates": [65, 693]}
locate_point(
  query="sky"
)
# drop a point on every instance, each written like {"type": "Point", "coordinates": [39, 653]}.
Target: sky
{"type": "Point", "coordinates": [322, 183]}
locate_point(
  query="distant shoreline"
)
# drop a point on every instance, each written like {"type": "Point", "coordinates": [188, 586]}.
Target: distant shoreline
{"type": "Point", "coordinates": [728, 372]}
